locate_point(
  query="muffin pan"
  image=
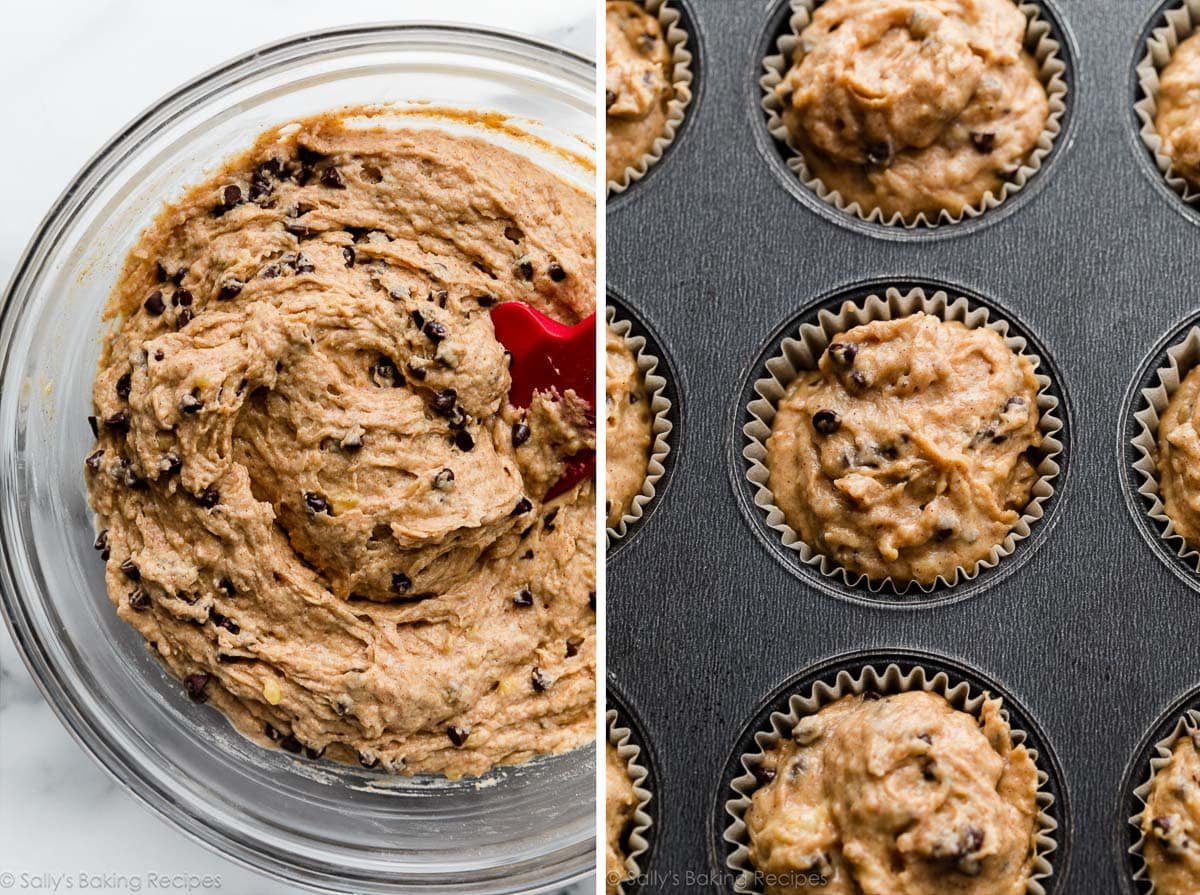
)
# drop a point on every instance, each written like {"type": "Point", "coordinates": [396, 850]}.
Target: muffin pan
{"type": "Point", "coordinates": [1084, 631]}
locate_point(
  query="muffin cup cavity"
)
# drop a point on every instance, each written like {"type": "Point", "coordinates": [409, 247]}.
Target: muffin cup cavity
{"type": "Point", "coordinates": [885, 679]}
{"type": "Point", "coordinates": [1160, 754]}
{"type": "Point", "coordinates": [803, 350]}
{"type": "Point", "coordinates": [681, 81]}
{"type": "Point", "coordinates": [1178, 25]}
{"type": "Point", "coordinates": [1178, 361]}
{"type": "Point", "coordinates": [1040, 43]}
{"type": "Point", "coordinates": [620, 737]}
{"type": "Point", "coordinates": [660, 426]}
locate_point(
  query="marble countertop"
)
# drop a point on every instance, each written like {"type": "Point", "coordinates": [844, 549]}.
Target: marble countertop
{"type": "Point", "coordinates": [75, 71]}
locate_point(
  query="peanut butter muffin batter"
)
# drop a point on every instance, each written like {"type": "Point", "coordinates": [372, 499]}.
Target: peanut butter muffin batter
{"type": "Point", "coordinates": [628, 424]}
{"type": "Point", "coordinates": [310, 499]}
{"type": "Point", "coordinates": [1179, 458]}
{"type": "Point", "coordinates": [1178, 118]}
{"type": "Point", "coordinates": [1171, 823]}
{"type": "Point", "coordinates": [907, 453]}
{"type": "Point", "coordinates": [914, 106]}
{"type": "Point", "coordinates": [638, 86]}
{"type": "Point", "coordinates": [903, 794]}
{"type": "Point", "coordinates": [620, 802]}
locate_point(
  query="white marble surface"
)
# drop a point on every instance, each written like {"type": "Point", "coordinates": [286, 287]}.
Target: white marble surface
{"type": "Point", "coordinates": [74, 72]}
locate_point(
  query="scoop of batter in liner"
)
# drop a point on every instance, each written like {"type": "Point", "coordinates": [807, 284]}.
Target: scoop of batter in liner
{"type": "Point", "coordinates": [313, 505]}
{"type": "Point", "coordinates": [628, 427]}
{"type": "Point", "coordinates": [1178, 121]}
{"type": "Point", "coordinates": [637, 84]}
{"type": "Point", "coordinates": [1171, 822]}
{"type": "Point", "coordinates": [909, 451]}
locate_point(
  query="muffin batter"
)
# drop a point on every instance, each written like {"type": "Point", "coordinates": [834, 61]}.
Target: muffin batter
{"type": "Point", "coordinates": [316, 505]}
{"type": "Point", "coordinates": [1179, 459]}
{"type": "Point", "coordinates": [1171, 823]}
{"type": "Point", "coordinates": [908, 452]}
{"type": "Point", "coordinates": [620, 802]}
{"type": "Point", "coordinates": [914, 106]}
{"type": "Point", "coordinates": [637, 63]}
{"type": "Point", "coordinates": [1178, 118]}
{"type": "Point", "coordinates": [627, 427]}
{"type": "Point", "coordinates": [901, 794]}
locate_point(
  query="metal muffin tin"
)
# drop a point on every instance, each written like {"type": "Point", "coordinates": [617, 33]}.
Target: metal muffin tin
{"type": "Point", "coordinates": [1089, 627]}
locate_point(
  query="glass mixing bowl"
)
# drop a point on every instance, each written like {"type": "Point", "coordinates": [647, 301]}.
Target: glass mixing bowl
{"type": "Point", "coordinates": [329, 827]}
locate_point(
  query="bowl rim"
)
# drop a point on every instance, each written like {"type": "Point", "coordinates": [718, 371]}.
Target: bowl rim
{"type": "Point", "coordinates": [564, 866]}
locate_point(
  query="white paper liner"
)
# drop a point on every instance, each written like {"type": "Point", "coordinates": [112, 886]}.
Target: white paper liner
{"type": "Point", "coordinates": [1180, 360]}
{"type": "Point", "coordinates": [1180, 24]}
{"type": "Point", "coordinates": [889, 681]}
{"type": "Point", "coordinates": [1163, 750]}
{"type": "Point", "coordinates": [1039, 43]}
{"type": "Point", "coordinates": [621, 739]}
{"type": "Point", "coordinates": [681, 81]}
{"type": "Point", "coordinates": [660, 425]}
{"type": "Point", "coordinates": [802, 351]}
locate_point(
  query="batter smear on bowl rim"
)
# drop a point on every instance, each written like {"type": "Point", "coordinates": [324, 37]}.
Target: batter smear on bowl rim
{"type": "Point", "coordinates": [316, 502]}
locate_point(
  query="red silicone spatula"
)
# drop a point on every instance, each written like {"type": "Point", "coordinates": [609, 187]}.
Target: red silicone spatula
{"type": "Point", "coordinates": [548, 355]}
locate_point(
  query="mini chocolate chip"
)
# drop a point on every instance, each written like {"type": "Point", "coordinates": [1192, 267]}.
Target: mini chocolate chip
{"type": "Point", "coordinates": [858, 379]}
{"type": "Point", "coordinates": [222, 622]}
{"type": "Point", "coordinates": [456, 418]}
{"type": "Point", "coordinates": [843, 353]}
{"type": "Point", "coordinates": [349, 254]}
{"type": "Point", "coordinates": [984, 142]}
{"type": "Point", "coordinates": [226, 587]}
{"type": "Point", "coordinates": [523, 506]}
{"type": "Point", "coordinates": [332, 178]}
{"type": "Point", "coordinates": [763, 774]}
{"type": "Point", "coordinates": [170, 464]}
{"type": "Point", "coordinates": [434, 331]}
{"type": "Point", "coordinates": [458, 736]}
{"type": "Point", "coordinates": [524, 598]}
{"type": "Point", "coordinates": [1161, 826]}
{"type": "Point", "coordinates": [177, 278]}
{"type": "Point", "coordinates": [118, 422]}
{"type": "Point", "coordinates": [524, 269]}
{"type": "Point", "coordinates": [93, 460]}
{"type": "Point", "coordinates": [592, 600]}
{"type": "Point", "coordinates": [139, 600]}
{"type": "Point", "coordinates": [230, 289]}
{"type": "Point", "coordinates": [520, 434]}
{"type": "Point", "coordinates": [401, 583]}
{"type": "Point", "coordinates": [231, 195]}
{"type": "Point", "coordinates": [417, 373]}
{"type": "Point", "coordinates": [159, 354]}
{"type": "Point", "coordinates": [463, 440]}
{"type": "Point", "coordinates": [300, 231]}
{"type": "Point", "coordinates": [826, 422]}
{"type": "Point", "coordinates": [945, 534]}
{"type": "Point", "coordinates": [190, 404]}
{"type": "Point", "coordinates": [385, 368]}
{"type": "Point", "coordinates": [444, 400]}
{"type": "Point", "coordinates": [182, 298]}
{"type": "Point", "coordinates": [316, 503]}
{"type": "Point", "coordinates": [209, 497]}
{"type": "Point", "coordinates": [303, 265]}
{"type": "Point", "coordinates": [94, 424]}
{"type": "Point", "coordinates": [418, 318]}
{"type": "Point", "coordinates": [291, 744]}
{"type": "Point", "coordinates": [132, 572]}
{"type": "Point", "coordinates": [313, 754]}
{"type": "Point", "coordinates": [124, 386]}
{"type": "Point", "coordinates": [154, 303]}
{"type": "Point", "coordinates": [132, 480]}
{"type": "Point", "coordinates": [871, 696]}
{"type": "Point", "coordinates": [540, 682]}
{"type": "Point", "coordinates": [609, 99]}
{"type": "Point", "coordinates": [195, 684]}
{"type": "Point", "coordinates": [880, 154]}
{"type": "Point", "coordinates": [160, 272]}
{"type": "Point", "coordinates": [548, 519]}
{"type": "Point", "coordinates": [485, 301]}
{"type": "Point", "coordinates": [444, 480]}
{"type": "Point", "coordinates": [573, 645]}
{"type": "Point", "coordinates": [556, 272]}
{"type": "Point", "coordinates": [368, 761]}
{"type": "Point", "coordinates": [183, 318]}
{"type": "Point", "coordinates": [101, 542]}
{"type": "Point", "coordinates": [260, 187]}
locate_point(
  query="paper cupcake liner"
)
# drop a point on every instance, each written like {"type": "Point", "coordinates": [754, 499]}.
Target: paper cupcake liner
{"type": "Point", "coordinates": [621, 738]}
{"type": "Point", "coordinates": [889, 681]}
{"type": "Point", "coordinates": [801, 352]}
{"type": "Point", "coordinates": [681, 81]}
{"type": "Point", "coordinates": [1187, 725]}
{"type": "Point", "coordinates": [660, 426]}
{"type": "Point", "coordinates": [1180, 360]}
{"type": "Point", "coordinates": [1039, 43]}
{"type": "Point", "coordinates": [1179, 24]}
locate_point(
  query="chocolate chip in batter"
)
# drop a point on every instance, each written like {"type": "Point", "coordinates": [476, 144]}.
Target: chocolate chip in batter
{"type": "Point", "coordinates": [209, 497]}
{"type": "Point", "coordinates": [93, 460]}
{"type": "Point", "coordinates": [94, 425]}
{"type": "Point", "coordinates": [189, 403]}
{"type": "Point", "coordinates": [195, 685]}
{"type": "Point", "coordinates": [880, 154]}
{"type": "Point", "coordinates": [331, 177]}
{"type": "Point", "coordinates": [349, 254]}
{"type": "Point", "coordinates": [154, 303]}
{"type": "Point", "coordinates": [303, 264]}
{"type": "Point", "coordinates": [983, 142]}
{"type": "Point", "coordinates": [485, 301]}
{"type": "Point", "coordinates": [225, 586]}
{"type": "Point", "coordinates": [368, 761]}
{"type": "Point", "coordinates": [124, 386]}
{"type": "Point", "coordinates": [170, 464]}
{"type": "Point", "coordinates": [177, 277]}
{"type": "Point", "coordinates": [401, 584]}
{"type": "Point", "coordinates": [223, 622]}
{"type": "Point", "coordinates": [541, 683]}
{"type": "Point", "coordinates": [183, 318]}
{"type": "Point", "coordinates": [101, 543]}
{"type": "Point", "coordinates": [118, 422]}
{"type": "Point", "coordinates": [843, 353]}
{"type": "Point", "coordinates": [463, 440]}
{"type": "Point", "coordinates": [520, 434]}
{"type": "Point", "coordinates": [298, 230]}
{"type": "Point", "coordinates": [160, 272]}
{"type": "Point", "coordinates": [524, 598]}
{"type": "Point", "coordinates": [763, 774]}
{"type": "Point", "coordinates": [139, 600]}
{"type": "Point", "coordinates": [548, 519]}
{"type": "Point", "coordinates": [523, 506]}
{"type": "Point", "coordinates": [524, 269]}
{"type": "Point", "coordinates": [291, 744]}
{"type": "Point", "coordinates": [132, 572]}
{"type": "Point", "coordinates": [260, 186]}
{"type": "Point", "coordinates": [573, 645]}
{"type": "Point", "coordinates": [592, 600]}
{"type": "Point", "coordinates": [444, 480]}
{"type": "Point", "coordinates": [271, 733]}
{"type": "Point", "coordinates": [826, 422]}
{"type": "Point", "coordinates": [316, 503]}
{"type": "Point", "coordinates": [313, 754]}
{"type": "Point", "coordinates": [230, 289]}
{"type": "Point", "coordinates": [556, 272]}
{"type": "Point", "coordinates": [609, 99]}
{"type": "Point", "coordinates": [417, 373]}
{"type": "Point", "coordinates": [182, 298]}
{"type": "Point", "coordinates": [443, 402]}
{"type": "Point", "coordinates": [231, 195]}
{"type": "Point", "coordinates": [458, 736]}
{"type": "Point", "coordinates": [434, 331]}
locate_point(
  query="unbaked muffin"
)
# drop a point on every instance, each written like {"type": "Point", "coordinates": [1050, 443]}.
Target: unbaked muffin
{"type": "Point", "coordinates": [620, 802]}
{"type": "Point", "coordinates": [628, 427]}
{"type": "Point", "coordinates": [1179, 459]}
{"type": "Point", "coordinates": [637, 85]}
{"type": "Point", "coordinates": [909, 452]}
{"type": "Point", "coordinates": [914, 106]}
{"type": "Point", "coordinates": [1178, 118]}
{"type": "Point", "coordinates": [897, 794]}
{"type": "Point", "coordinates": [1171, 823]}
